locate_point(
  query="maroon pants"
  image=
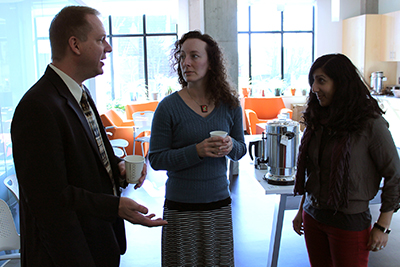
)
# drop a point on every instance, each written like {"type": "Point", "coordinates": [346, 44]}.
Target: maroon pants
{"type": "Point", "coordinates": [330, 246]}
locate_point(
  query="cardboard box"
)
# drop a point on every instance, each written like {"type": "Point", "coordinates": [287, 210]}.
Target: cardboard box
{"type": "Point", "coordinates": [298, 113]}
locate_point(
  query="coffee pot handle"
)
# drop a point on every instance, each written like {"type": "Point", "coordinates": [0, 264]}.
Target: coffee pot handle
{"type": "Point", "coordinates": [290, 135]}
{"type": "Point", "coordinates": [251, 144]}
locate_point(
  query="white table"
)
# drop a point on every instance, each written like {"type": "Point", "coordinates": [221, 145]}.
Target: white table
{"type": "Point", "coordinates": [282, 192]}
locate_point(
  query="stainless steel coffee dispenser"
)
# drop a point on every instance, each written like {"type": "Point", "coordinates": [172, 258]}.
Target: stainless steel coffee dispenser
{"type": "Point", "coordinates": [282, 147]}
{"type": "Point", "coordinates": [377, 80]}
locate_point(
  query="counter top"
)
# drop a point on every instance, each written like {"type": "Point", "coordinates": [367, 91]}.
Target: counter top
{"type": "Point", "coordinates": [385, 97]}
{"type": "Point", "coordinates": [247, 169]}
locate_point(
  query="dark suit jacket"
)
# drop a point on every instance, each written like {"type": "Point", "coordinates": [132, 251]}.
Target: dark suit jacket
{"type": "Point", "coordinates": [68, 210]}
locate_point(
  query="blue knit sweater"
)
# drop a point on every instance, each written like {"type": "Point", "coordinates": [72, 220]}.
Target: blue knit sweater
{"type": "Point", "coordinates": [175, 131]}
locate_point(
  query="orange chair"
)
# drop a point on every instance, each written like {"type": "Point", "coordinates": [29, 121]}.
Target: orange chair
{"type": "Point", "coordinates": [123, 130]}
{"type": "Point", "coordinates": [261, 110]}
{"type": "Point", "coordinates": [252, 121]}
{"type": "Point", "coordinates": [132, 108]}
{"type": "Point", "coordinates": [118, 129]}
{"type": "Point", "coordinates": [116, 119]}
{"type": "Point", "coordinates": [136, 107]}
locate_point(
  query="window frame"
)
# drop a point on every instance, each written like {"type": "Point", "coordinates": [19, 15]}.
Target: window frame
{"type": "Point", "coordinates": [282, 32]}
{"type": "Point", "coordinates": [144, 36]}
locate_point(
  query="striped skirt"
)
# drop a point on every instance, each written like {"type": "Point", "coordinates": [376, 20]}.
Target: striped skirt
{"type": "Point", "coordinates": [198, 238]}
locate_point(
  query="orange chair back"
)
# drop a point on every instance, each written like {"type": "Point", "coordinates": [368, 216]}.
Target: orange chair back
{"type": "Point", "coordinates": [120, 130]}
{"type": "Point", "coordinates": [106, 120]}
{"type": "Point", "coordinates": [132, 108]}
{"type": "Point", "coordinates": [115, 118]}
{"type": "Point", "coordinates": [251, 121]}
{"type": "Point", "coordinates": [265, 108]}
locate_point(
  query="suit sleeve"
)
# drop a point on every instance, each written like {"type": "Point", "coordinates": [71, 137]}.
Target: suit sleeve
{"type": "Point", "coordinates": [39, 157]}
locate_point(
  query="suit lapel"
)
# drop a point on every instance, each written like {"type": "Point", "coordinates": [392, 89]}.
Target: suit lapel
{"type": "Point", "coordinates": [63, 90]}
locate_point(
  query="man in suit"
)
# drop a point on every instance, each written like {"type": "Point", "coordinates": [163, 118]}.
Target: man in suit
{"type": "Point", "coordinates": [70, 208]}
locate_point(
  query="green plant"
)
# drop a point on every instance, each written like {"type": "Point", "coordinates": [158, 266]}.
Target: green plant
{"type": "Point", "coordinates": [116, 104]}
{"type": "Point", "coordinates": [169, 90]}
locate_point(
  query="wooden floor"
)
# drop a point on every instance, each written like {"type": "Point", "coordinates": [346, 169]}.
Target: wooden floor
{"type": "Point", "coordinates": [252, 219]}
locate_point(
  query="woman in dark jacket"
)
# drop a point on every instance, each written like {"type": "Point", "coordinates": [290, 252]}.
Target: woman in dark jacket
{"type": "Point", "coordinates": [345, 151]}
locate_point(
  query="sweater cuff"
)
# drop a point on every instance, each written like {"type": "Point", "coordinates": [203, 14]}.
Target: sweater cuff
{"type": "Point", "coordinates": [191, 154]}
{"type": "Point", "coordinates": [235, 154]}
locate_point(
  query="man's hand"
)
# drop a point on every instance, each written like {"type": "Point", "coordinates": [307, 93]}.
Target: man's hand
{"type": "Point", "coordinates": [122, 171]}
{"type": "Point", "coordinates": [133, 212]}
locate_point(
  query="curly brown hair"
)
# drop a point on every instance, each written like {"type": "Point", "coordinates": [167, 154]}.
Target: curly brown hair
{"type": "Point", "coordinates": [219, 88]}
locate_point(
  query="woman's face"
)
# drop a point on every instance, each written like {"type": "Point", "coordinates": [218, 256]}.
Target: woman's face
{"type": "Point", "coordinates": [323, 88]}
{"type": "Point", "coordinates": [194, 60]}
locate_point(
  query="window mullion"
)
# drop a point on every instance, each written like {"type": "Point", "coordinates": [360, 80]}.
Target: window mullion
{"type": "Point", "coordinates": [249, 43]}
{"type": "Point", "coordinates": [282, 50]}
{"type": "Point", "coordinates": [111, 59]}
{"type": "Point", "coordinates": [146, 74]}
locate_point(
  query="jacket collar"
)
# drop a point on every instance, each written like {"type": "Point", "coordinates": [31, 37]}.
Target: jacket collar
{"type": "Point", "coordinates": [64, 92]}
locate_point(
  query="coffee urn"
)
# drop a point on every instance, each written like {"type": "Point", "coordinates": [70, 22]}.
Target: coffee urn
{"type": "Point", "coordinates": [377, 80]}
{"type": "Point", "coordinates": [282, 148]}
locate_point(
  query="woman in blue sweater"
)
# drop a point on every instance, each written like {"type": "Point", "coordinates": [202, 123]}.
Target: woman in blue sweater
{"type": "Point", "coordinates": [198, 204]}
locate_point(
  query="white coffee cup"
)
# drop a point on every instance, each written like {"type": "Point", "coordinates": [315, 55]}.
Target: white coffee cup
{"type": "Point", "coordinates": [218, 133]}
{"type": "Point", "coordinates": [134, 167]}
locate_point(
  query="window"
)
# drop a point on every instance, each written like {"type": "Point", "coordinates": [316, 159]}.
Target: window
{"type": "Point", "coordinates": [139, 65]}
{"type": "Point", "coordinates": [24, 54]}
{"type": "Point", "coordinates": [275, 44]}
{"type": "Point", "coordinates": [136, 69]}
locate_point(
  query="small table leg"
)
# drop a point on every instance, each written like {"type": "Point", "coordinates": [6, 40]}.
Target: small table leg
{"type": "Point", "coordinates": [276, 232]}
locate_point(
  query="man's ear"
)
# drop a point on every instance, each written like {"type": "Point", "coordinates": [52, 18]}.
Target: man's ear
{"type": "Point", "coordinates": [74, 45]}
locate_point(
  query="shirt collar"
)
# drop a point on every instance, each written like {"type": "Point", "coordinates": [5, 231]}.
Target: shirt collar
{"type": "Point", "coordinates": [74, 87]}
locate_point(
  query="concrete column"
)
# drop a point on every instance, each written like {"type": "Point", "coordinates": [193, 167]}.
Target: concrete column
{"type": "Point", "coordinates": [220, 21]}
{"type": "Point", "coordinates": [218, 18]}
{"type": "Point", "coordinates": [369, 7]}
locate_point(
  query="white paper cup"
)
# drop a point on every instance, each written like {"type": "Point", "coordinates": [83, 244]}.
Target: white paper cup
{"type": "Point", "coordinates": [218, 133]}
{"type": "Point", "coordinates": [134, 167]}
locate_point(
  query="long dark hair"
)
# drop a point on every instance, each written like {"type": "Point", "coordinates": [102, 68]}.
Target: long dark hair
{"type": "Point", "coordinates": [219, 88]}
{"type": "Point", "coordinates": [352, 103]}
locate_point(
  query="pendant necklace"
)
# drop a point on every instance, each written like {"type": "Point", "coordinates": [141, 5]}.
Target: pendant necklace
{"type": "Point", "coordinates": [204, 108]}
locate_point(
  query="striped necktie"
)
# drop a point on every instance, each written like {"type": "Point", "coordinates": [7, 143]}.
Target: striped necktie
{"type": "Point", "coordinates": [91, 119]}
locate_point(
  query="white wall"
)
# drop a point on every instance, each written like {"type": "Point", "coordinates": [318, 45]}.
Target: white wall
{"type": "Point", "coordinates": [183, 17]}
{"type": "Point", "coordinates": [196, 15]}
{"type": "Point", "coordinates": [386, 6]}
{"type": "Point", "coordinates": [328, 34]}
